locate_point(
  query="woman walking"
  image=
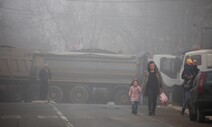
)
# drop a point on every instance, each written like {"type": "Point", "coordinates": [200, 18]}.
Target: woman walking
{"type": "Point", "coordinates": [153, 86]}
{"type": "Point", "coordinates": [135, 93]}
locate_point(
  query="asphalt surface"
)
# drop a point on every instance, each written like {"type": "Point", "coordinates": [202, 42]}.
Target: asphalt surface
{"type": "Point", "coordinates": [45, 114]}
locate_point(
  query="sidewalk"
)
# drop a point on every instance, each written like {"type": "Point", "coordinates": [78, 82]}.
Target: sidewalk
{"type": "Point", "coordinates": [169, 106]}
{"type": "Point", "coordinates": [174, 107]}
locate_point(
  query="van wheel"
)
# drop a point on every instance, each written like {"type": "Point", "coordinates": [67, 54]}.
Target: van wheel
{"type": "Point", "coordinates": [55, 94]}
{"type": "Point", "coordinates": [200, 116]}
{"type": "Point", "coordinates": [121, 97]}
{"type": "Point", "coordinates": [79, 94]}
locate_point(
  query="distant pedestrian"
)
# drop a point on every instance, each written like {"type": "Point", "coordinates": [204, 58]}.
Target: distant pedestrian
{"type": "Point", "coordinates": [188, 69]}
{"type": "Point", "coordinates": [135, 94]}
{"type": "Point", "coordinates": [45, 76]}
{"type": "Point", "coordinates": [187, 76]}
{"type": "Point", "coordinates": [186, 92]}
{"type": "Point", "coordinates": [153, 86]}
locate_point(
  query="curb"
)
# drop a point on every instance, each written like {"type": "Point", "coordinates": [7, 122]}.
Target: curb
{"type": "Point", "coordinates": [174, 107]}
{"type": "Point", "coordinates": [41, 101]}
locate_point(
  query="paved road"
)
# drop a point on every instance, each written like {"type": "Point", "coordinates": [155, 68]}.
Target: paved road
{"type": "Point", "coordinates": [29, 115]}
{"type": "Point", "coordinates": [88, 115]}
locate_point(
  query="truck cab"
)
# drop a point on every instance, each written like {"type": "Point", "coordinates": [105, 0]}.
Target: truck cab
{"type": "Point", "coordinates": [169, 66]}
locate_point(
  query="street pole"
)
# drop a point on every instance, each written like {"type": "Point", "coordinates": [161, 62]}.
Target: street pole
{"type": "Point", "coordinates": [201, 38]}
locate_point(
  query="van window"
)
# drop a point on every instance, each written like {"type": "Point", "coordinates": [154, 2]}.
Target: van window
{"type": "Point", "coordinates": [168, 67]}
{"type": "Point", "coordinates": [196, 57]}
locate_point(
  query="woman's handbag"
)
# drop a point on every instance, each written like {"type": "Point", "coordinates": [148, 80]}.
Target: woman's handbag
{"type": "Point", "coordinates": [163, 98]}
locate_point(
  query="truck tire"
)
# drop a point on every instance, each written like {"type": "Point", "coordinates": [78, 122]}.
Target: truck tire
{"type": "Point", "coordinates": [121, 97]}
{"type": "Point", "coordinates": [79, 94]}
{"type": "Point", "coordinates": [33, 92]}
{"type": "Point", "coordinates": [55, 94]}
{"type": "Point", "coordinates": [200, 116]}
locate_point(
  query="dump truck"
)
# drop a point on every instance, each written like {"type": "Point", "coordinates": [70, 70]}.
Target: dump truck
{"type": "Point", "coordinates": [77, 77]}
{"type": "Point", "coordinates": [86, 76]}
{"type": "Point", "coordinates": [15, 67]}
{"type": "Point", "coordinates": [83, 77]}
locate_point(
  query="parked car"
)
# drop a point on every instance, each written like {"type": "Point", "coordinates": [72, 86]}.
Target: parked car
{"type": "Point", "coordinates": [200, 101]}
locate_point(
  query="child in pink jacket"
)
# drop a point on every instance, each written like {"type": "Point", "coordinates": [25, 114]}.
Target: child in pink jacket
{"type": "Point", "coordinates": [135, 93]}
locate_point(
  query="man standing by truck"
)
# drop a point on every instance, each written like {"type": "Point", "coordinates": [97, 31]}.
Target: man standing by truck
{"type": "Point", "coordinates": [44, 76]}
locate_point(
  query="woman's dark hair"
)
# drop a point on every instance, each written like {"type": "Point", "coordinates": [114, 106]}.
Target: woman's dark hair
{"type": "Point", "coordinates": [148, 67]}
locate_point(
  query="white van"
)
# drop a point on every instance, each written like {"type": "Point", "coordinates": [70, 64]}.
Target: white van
{"type": "Point", "coordinates": [169, 66]}
{"type": "Point", "coordinates": [203, 57]}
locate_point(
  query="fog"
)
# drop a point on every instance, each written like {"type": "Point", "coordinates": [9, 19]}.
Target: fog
{"type": "Point", "coordinates": [130, 26]}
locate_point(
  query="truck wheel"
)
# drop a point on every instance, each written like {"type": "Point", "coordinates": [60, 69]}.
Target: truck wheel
{"type": "Point", "coordinates": [55, 94]}
{"type": "Point", "coordinates": [121, 97]}
{"type": "Point", "coordinates": [33, 92]}
{"type": "Point", "coordinates": [200, 116]}
{"type": "Point", "coordinates": [16, 94]}
{"type": "Point", "coordinates": [79, 94]}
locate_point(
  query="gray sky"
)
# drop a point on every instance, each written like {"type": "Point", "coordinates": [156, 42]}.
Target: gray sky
{"type": "Point", "coordinates": [131, 26]}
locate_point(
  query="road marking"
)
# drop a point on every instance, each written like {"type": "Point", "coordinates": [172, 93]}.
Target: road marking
{"type": "Point", "coordinates": [47, 117]}
{"type": "Point", "coordinates": [39, 101]}
{"type": "Point", "coordinates": [60, 114]}
{"type": "Point", "coordinates": [11, 117]}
